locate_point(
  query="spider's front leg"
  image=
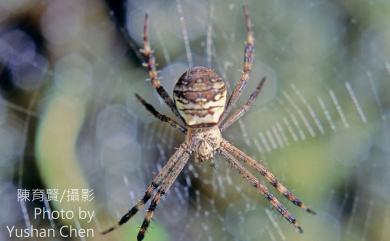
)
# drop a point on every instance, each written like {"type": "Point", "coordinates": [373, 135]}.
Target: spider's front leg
{"type": "Point", "coordinates": [236, 152]}
{"type": "Point", "coordinates": [157, 180]}
{"type": "Point", "coordinates": [167, 183]}
{"type": "Point", "coordinates": [261, 188]}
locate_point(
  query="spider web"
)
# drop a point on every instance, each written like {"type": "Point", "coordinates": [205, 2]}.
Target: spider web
{"type": "Point", "coordinates": [321, 123]}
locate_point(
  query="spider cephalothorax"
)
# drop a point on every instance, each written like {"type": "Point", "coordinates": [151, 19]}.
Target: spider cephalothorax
{"type": "Point", "coordinates": [200, 101]}
{"type": "Point", "coordinates": [200, 97]}
{"type": "Point", "coordinates": [204, 141]}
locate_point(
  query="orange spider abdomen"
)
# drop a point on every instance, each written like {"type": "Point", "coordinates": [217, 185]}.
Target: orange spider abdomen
{"type": "Point", "coordinates": [200, 96]}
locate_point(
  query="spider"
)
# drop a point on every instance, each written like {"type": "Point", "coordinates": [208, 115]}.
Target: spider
{"type": "Point", "coordinates": [201, 103]}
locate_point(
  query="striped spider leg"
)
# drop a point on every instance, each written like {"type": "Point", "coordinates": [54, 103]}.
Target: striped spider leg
{"type": "Point", "coordinates": [249, 177]}
{"type": "Point", "coordinates": [243, 109]}
{"type": "Point", "coordinates": [247, 66]}
{"type": "Point", "coordinates": [150, 64]}
{"type": "Point", "coordinates": [160, 116]}
{"type": "Point", "coordinates": [169, 180]}
{"type": "Point", "coordinates": [236, 152]}
{"type": "Point", "coordinates": [173, 165]}
{"type": "Point", "coordinates": [233, 153]}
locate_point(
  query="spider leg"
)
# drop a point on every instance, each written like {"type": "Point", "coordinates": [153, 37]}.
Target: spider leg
{"type": "Point", "coordinates": [160, 116]}
{"type": "Point", "coordinates": [156, 182]}
{"type": "Point", "coordinates": [266, 173]}
{"type": "Point", "coordinates": [170, 179]}
{"type": "Point", "coordinates": [261, 188]}
{"type": "Point", "coordinates": [239, 113]}
{"type": "Point", "coordinates": [247, 67]}
{"type": "Point", "coordinates": [147, 52]}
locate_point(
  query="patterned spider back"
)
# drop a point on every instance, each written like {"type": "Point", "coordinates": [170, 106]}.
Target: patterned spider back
{"type": "Point", "coordinates": [200, 96]}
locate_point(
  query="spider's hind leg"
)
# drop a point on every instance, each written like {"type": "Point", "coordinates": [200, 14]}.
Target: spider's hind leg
{"type": "Point", "coordinates": [247, 66]}
{"type": "Point", "coordinates": [160, 116]}
{"type": "Point", "coordinates": [147, 52]}
{"type": "Point", "coordinates": [240, 112]}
